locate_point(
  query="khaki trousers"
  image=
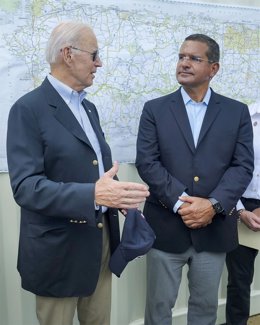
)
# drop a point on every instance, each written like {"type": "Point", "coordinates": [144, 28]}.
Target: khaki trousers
{"type": "Point", "coordinates": [92, 310]}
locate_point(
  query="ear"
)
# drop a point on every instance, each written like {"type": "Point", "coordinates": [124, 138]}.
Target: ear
{"type": "Point", "coordinates": [214, 69]}
{"type": "Point", "coordinates": [66, 54]}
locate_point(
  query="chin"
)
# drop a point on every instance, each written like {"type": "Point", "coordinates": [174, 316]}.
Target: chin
{"type": "Point", "coordinates": [183, 82]}
{"type": "Point", "coordinates": [89, 83]}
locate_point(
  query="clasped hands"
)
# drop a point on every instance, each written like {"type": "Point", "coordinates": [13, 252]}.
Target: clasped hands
{"type": "Point", "coordinates": [196, 212]}
{"type": "Point", "coordinates": [116, 194]}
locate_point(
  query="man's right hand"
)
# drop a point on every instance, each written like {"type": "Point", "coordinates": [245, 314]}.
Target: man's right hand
{"type": "Point", "coordinates": [116, 194]}
{"type": "Point", "coordinates": [196, 212]}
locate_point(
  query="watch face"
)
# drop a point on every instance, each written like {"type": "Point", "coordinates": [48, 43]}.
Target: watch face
{"type": "Point", "coordinates": [216, 205]}
{"type": "Point", "coordinates": [218, 208]}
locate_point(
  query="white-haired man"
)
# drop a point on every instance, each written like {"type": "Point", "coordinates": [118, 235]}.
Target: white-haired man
{"type": "Point", "coordinates": [62, 177]}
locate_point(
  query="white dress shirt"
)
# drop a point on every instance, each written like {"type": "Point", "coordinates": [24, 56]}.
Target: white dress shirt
{"type": "Point", "coordinates": [253, 189]}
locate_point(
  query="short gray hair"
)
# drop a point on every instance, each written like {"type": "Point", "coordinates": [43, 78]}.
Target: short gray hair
{"type": "Point", "coordinates": [65, 34]}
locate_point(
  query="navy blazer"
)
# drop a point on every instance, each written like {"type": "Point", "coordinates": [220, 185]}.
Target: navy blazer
{"type": "Point", "coordinates": [53, 169]}
{"type": "Point", "coordinates": [220, 166]}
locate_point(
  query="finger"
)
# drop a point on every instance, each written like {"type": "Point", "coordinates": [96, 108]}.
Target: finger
{"type": "Point", "coordinates": [134, 188]}
{"type": "Point", "coordinates": [123, 211]}
{"type": "Point", "coordinates": [134, 200]}
{"type": "Point", "coordinates": [116, 165]}
{"type": "Point", "coordinates": [113, 170]}
{"type": "Point", "coordinates": [126, 206]}
{"type": "Point", "coordinates": [188, 220]}
{"type": "Point", "coordinates": [194, 226]}
{"type": "Point", "coordinates": [184, 205]}
{"type": "Point", "coordinates": [188, 199]}
{"type": "Point", "coordinates": [186, 212]}
{"type": "Point", "coordinates": [197, 225]}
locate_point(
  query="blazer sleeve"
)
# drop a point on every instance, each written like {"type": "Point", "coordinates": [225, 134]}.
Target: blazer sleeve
{"type": "Point", "coordinates": [32, 189]}
{"type": "Point", "coordinates": [238, 175]}
{"type": "Point", "coordinates": [165, 186]}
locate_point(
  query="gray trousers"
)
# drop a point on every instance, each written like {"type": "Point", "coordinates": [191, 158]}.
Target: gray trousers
{"type": "Point", "coordinates": [164, 273]}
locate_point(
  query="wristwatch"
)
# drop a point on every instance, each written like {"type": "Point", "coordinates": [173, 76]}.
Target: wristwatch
{"type": "Point", "coordinates": [216, 205]}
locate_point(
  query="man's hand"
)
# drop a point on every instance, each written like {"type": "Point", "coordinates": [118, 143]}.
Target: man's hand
{"type": "Point", "coordinates": [257, 212]}
{"type": "Point", "coordinates": [199, 213]}
{"type": "Point", "coordinates": [121, 195]}
{"type": "Point", "coordinates": [251, 219]}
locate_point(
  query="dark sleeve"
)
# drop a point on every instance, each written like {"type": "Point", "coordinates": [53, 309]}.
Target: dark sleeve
{"type": "Point", "coordinates": [32, 189]}
{"type": "Point", "coordinates": [162, 184]}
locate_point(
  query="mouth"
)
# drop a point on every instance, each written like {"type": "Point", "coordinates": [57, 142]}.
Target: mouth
{"type": "Point", "coordinates": [185, 73]}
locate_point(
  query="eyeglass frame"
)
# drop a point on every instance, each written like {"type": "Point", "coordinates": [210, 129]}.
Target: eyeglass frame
{"type": "Point", "coordinates": [194, 59]}
{"type": "Point", "coordinates": [95, 55]}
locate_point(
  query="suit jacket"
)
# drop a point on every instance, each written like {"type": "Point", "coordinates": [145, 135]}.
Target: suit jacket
{"type": "Point", "coordinates": [220, 166]}
{"type": "Point", "coordinates": [53, 169]}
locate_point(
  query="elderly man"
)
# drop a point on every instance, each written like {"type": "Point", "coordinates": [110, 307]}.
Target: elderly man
{"type": "Point", "coordinates": [62, 177]}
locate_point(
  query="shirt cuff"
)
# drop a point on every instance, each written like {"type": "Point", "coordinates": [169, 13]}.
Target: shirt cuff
{"type": "Point", "coordinates": [179, 203]}
{"type": "Point", "coordinates": [239, 205]}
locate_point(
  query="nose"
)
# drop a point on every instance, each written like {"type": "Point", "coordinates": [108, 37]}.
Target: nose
{"type": "Point", "coordinates": [185, 62]}
{"type": "Point", "coordinates": [98, 62]}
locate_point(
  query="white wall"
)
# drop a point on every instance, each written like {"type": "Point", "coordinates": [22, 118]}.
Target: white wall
{"type": "Point", "coordinates": [17, 306]}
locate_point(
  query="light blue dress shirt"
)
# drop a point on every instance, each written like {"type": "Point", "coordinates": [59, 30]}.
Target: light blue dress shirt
{"type": "Point", "coordinates": [74, 101]}
{"type": "Point", "coordinates": [196, 113]}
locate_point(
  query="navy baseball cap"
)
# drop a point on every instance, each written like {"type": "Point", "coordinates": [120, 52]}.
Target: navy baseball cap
{"type": "Point", "coordinates": [137, 239]}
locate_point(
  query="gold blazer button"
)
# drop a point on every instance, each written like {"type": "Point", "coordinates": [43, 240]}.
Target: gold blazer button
{"type": "Point", "coordinates": [100, 225]}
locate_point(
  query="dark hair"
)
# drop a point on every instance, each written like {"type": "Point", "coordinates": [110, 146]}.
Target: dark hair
{"type": "Point", "coordinates": [213, 47]}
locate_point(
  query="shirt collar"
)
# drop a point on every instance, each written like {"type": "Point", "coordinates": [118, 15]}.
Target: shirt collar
{"type": "Point", "coordinates": [65, 91]}
{"type": "Point", "coordinates": [187, 99]}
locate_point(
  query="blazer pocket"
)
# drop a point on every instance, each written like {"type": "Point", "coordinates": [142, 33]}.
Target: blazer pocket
{"type": "Point", "coordinates": [48, 247]}
{"type": "Point", "coordinates": [43, 230]}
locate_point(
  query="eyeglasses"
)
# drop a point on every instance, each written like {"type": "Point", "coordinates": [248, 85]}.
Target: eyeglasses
{"type": "Point", "coordinates": [193, 59]}
{"type": "Point", "coordinates": [95, 55]}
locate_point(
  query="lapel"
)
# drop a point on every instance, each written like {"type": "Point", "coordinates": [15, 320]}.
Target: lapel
{"type": "Point", "coordinates": [62, 112]}
{"type": "Point", "coordinates": [94, 120]}
{"type": "Point", "coordinates": [179, 111]}
{"type": "Point", "coordinates": [212, 111]}
{"type": "Point", "coordinates": [95, 124]}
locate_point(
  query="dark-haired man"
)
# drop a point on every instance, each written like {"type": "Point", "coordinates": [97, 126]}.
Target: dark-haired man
{"type": "Point", "coordinates": [195, 151]}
